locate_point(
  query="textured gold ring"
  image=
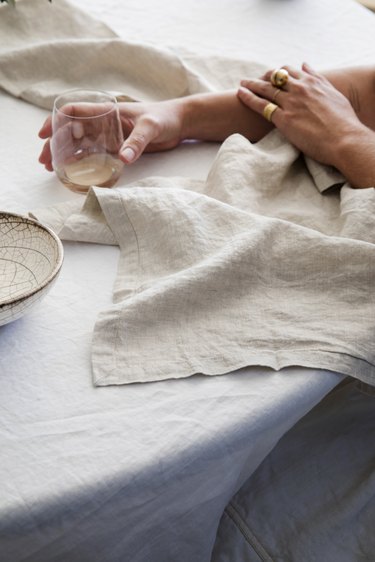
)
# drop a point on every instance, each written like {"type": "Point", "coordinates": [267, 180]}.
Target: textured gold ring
{"type": "Point", "coordinates": [269, 110]}
{"type": "Point", "coordinates": [279, 77]}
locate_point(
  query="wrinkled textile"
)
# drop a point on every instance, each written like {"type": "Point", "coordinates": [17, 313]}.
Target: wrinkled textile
{"type": "Point", "coordinates": [322, 474]}
{"type": "Point", "coordinates": [252, 267]}
{"type": "Point", "coordinates": [46, 50]}
{"type": "Point", "coordinates": [255, 266]}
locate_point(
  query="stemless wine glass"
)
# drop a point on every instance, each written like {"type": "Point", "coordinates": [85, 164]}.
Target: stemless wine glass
{"type": "Point", "coordinates": [86, 138]}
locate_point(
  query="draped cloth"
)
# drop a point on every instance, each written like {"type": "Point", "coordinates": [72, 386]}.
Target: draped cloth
{"type": "Point", "coordinates": [269, 261]}
{"type": "Point", "coordinates": [254, 266]}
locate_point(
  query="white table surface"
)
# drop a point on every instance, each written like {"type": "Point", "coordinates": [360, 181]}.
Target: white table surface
{"type": "Point", "coordinates": [141, 472]}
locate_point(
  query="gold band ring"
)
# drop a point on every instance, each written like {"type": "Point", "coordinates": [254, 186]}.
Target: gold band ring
{"type": "Point", "coordinates": [277, 91]}
{"type": "Point", "coordinates": [279, 77]}
{"type": "Point", "coordinates": [269, 110]}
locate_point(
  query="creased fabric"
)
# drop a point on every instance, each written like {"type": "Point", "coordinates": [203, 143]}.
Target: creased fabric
{"type": "Point", "coordinates": [322, 474]}
{"type": "Point", "coordinates": [270, 261]}
{"type": "Point", "coordinates": [254, 266]}
{"type": "Point", "coordinates": [46, 49]}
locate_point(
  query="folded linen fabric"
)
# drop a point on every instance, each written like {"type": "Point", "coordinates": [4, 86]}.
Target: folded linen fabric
{"type": "Point", "coordinates": [252, 267]}
{"type": "Point", "coordinates": [48, 48]}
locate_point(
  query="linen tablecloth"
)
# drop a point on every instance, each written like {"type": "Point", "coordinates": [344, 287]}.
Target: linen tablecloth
{"type": "Point", "coordinates": [143, 471]}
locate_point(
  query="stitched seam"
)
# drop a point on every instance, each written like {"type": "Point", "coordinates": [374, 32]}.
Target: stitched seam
{"type": "Point", "coordinates": [116, 339]}
{"type": "Point", "coordinates": [248, 535]}
{"type": "Point", "coordinates": [134, 230]}
{"type": "Point", "coordinates": [348, 353]}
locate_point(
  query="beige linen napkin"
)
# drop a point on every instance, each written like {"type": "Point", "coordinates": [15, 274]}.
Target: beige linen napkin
{"type": "Point", "coordinates": [252, 267]}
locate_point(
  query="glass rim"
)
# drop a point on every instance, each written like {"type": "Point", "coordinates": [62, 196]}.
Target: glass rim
{"type": "Point", "coordinates": [112, 100]}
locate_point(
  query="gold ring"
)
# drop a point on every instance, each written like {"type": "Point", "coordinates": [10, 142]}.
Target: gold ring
{"type": "Point", "coordinates": [279, 77]}
{"type": "Point", "coordinates": [269, 110]}
{"type": "Point", "coordinates": [277, 91]}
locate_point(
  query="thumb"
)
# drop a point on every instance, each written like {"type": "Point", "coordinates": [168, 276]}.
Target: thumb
{"type": "Point", "coordinates": [143, 133]}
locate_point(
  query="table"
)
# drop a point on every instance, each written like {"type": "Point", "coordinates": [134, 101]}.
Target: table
{"type": "Point", "coordinates": [142, 472]}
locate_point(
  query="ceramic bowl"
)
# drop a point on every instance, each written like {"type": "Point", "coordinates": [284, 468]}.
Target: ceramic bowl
{"type": "Point", "coordinates": [31, 257]}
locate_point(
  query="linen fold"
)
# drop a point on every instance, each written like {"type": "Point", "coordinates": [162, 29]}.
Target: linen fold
{"type": "Point", "coordinates": [253, 266]}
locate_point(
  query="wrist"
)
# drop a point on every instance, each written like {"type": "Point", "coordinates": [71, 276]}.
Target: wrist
{"type": "Point", "coordinates": [201, 116]}
{"type": "Point", "coordinates": [355, 157]}
{"type": "Point", "coordinates": [187, 106]}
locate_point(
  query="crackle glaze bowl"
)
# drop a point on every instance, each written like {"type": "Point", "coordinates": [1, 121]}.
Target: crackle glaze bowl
{"type": "Point", "coordinates": [31, 257]}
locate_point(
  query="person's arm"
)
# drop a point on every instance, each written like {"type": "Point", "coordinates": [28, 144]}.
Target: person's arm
{"type": "Point", "coordinates": [203, 117]}
{"type": "Point", "coordinates": [358, 86]}
{"type": "Point", "coordinates": [215, 116]}
{"type": "Point", "coordinates": [151, 127]}
{"type": "Point", "coordinates": [325, 124]}
{"type": "Point", "coordinates": [355, 158]}
{"type": "Point", "coordinates": [209, 117]}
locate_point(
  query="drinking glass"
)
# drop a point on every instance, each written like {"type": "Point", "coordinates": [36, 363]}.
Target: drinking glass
{"type": "Point", "coordinates": [86, 138]}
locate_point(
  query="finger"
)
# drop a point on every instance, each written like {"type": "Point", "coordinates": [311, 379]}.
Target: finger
{"type": "Point", "coordinates": [85, 109]}
{"type": "Point", "coordinates": [46, 130]}
{"type": "Point", "coordinates": [143, 133]}
{"type": "Point", "coordinates": [293, 72]}
{"type": "Point", "coordinates": [64, 144]}
{"type": "Point", "coordinates": [264, 89]}
{"type": "Point", "coordinates": [78, 130]}
{"type": "Point", "coordinates": [312, 74]}
{"type": "Point", "coordinates": [256, 103]}
{"type": "Point", "coordinates": [46, 157]}
{"type": "Point", "coordinates": [309, 70]}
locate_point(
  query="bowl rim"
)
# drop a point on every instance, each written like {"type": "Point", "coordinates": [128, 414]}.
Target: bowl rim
{"type": "Point", "coordinates": [54, 272]}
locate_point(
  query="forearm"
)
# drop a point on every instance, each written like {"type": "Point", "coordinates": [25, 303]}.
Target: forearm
{"type": "Point", "coordinates": [356, 158]}
{"type": "Point", "coordinates": [356, 152]}
{"type": "Point", "coordinates": [358, 86]}
{"type": "Point", "coordinates": [215, 116]}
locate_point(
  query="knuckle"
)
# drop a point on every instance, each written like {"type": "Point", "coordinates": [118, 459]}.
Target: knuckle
{"type": "Point", "coordinates": [263, 87]}
{"type": "Point", "coordinates": [151, 122]}
{"type": "Point", "coordinates": [287, 115]}
{"type": "Point", "coordinates": [138, 140]}
{"type": "Point", "coordinates": [301, 88]}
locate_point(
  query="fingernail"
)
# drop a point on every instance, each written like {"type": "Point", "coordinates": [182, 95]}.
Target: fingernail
{"type": "Point", "coordinates": [128, 154]}
{"type": "Point", "coordinates": [77, 130]}
{"type": "Point", "coordinates": [242, 90]}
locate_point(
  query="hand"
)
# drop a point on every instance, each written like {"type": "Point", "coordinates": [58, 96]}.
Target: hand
{"type": "Point", "coordinates": [312, 114]}
{"type": "Point", "coordinates": [146, 127]}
